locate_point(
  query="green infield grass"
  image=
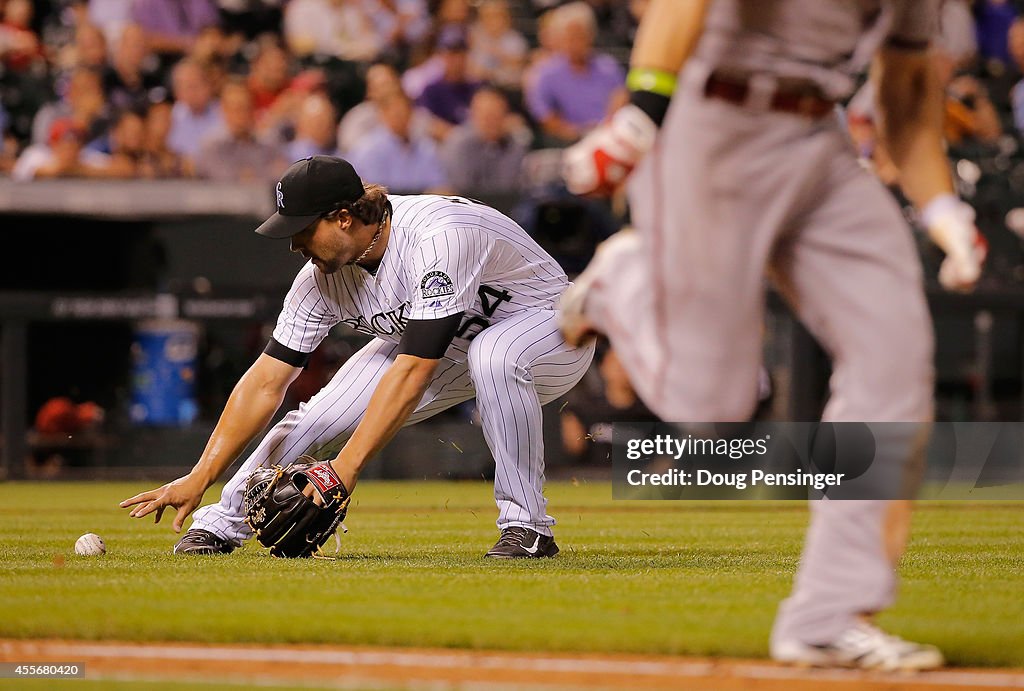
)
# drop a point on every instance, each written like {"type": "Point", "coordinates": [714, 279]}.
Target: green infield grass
{"type": "Point", "coordinates": [641, 577]}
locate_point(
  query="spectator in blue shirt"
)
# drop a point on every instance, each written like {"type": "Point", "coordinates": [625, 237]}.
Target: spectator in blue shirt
{"type": "Point", "coordinates": [196, 114]}
{"type": "Point", "coordinates": [394, 156]}
{"type": "Point", "coordinates": [315, 129]}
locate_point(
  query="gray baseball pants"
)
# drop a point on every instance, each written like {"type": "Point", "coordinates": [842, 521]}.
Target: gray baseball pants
{"type": "Point", "coordinates": [732, 195]}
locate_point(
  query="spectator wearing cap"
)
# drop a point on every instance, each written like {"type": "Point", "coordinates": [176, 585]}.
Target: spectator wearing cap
{"type": "Point", "coordinates": [64, 155]}
{"type": "Point", "coordinates": [172, 26]}
{"type": "Point", "coordinates": [497, 52]}
{"type": "Point", "coordinates": [574, 88]}
{"type": "Point", "coordinates": [394, 156]}
{"type": "Point", "coordinates": [234, 154]}
{"type": "Point", "coordinates": [382, 80]}
{"type": "Point", "coordinates": [196, 114]}
{"type": "Point", "coordinates": [448, 97]}
{"type": "Point", "coordinates": [485, 154]}
{"type": "Point", "coordinates": [336, 28]}
{"type": "Point", "coordinates": [315, 129]}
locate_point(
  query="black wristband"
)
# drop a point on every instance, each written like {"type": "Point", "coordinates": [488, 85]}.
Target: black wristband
{"type": "Point", "coordinates": [429, 338]}
{"type": "Point", "coordinates": [654, 105]}
{"type": "Point", "coordinates": [281, 352]}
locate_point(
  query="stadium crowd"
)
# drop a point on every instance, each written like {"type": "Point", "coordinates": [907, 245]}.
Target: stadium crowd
{"type": "Point", "coordinates": [421, 95]}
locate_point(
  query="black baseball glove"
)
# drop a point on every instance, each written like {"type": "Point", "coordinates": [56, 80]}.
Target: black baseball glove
{"type": "Point", "coordinates": [284, 519]}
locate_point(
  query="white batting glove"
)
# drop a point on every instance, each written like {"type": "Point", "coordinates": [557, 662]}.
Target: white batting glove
{"type": "Point", "coordinates": [602, 160]}
{"type": "Point", "coordinates": [950, 225]}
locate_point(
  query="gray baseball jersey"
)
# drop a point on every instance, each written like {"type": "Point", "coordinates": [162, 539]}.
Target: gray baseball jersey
{"type": "Point", "coordinates": [734, 193]}
{"type": "Point", "coordinates": [445, 255]}
{"type": "Point", "coordinates": [826, 43]}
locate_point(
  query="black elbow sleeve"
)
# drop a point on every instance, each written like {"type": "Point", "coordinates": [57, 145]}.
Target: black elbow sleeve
{"type": "Point", "coordinates": [281, 352]}
{"type": "Point", "coordinates": [429, 338]}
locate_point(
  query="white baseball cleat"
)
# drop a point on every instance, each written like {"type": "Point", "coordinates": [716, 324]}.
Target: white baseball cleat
{"type": "Point", "coordinates": [574, 324]}
{"type": "Point", "coordinates": [861, 646]}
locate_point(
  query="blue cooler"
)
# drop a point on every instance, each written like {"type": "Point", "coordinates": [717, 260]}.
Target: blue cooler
{"type": "Point", "coordinates": [164, 372]}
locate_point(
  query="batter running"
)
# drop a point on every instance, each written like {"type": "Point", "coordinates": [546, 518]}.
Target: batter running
{"type": "Point", "coordinates": [748, 173]}
{"type": "Point", "coordinates": [461, 304]}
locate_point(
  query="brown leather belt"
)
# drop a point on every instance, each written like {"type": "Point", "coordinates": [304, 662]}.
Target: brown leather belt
{"type": "Point", "coordinates": [799, 102]}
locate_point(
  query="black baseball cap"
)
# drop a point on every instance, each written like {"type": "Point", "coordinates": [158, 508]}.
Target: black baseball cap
{"type": "Point", "coordinates": [309, 189]}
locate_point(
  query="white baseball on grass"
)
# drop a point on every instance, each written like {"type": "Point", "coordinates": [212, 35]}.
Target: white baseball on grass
{"type": "Point", "coordinates": [90, 545]}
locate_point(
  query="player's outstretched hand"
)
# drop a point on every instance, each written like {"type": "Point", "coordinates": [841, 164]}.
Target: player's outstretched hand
{"type": "Point", "coordinates": [950, 225]}
{"type": "Point", "coordinates": [601, 161]}
{"type": "Point", "coordinates": [184, 494]}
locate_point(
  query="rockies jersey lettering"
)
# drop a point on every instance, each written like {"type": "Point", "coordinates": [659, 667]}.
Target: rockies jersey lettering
{"type": "Point", "coordinates": [392, 322]}
{"type": "Point", "coordinates": [445, 255]}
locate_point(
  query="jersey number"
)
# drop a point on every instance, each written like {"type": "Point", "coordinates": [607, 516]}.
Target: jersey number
{"type": "Point", "coordinates": [490, 299]}
{"type": "Point", "coordinates": [463, 200]}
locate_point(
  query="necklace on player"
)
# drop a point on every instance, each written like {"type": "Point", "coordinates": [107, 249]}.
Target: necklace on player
{"type": "Point", "coordinates": [373, 242]}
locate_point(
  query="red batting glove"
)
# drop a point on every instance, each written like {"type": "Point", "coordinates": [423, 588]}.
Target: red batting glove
{"type": "Point", "coordinates": [601, 161]}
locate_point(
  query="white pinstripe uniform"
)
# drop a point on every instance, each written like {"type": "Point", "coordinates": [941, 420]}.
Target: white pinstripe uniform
{"type": "Point", "coordinates": [445, 255]}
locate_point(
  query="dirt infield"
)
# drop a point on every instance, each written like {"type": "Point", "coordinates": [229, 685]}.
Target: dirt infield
{"type": "Point", "coordinates": [362, 667]}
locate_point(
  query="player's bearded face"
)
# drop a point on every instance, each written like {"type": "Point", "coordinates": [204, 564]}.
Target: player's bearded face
{"type": "Point", "coordinates": [326, 244]}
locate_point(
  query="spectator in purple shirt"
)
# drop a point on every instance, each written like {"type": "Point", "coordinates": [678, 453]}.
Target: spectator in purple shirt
{"type": "Point", "coordinates": [172, 26]}
{"type": "Point", "coordinates": [574, 89]}
{"type": "Point", "coordinates": [448, 98]}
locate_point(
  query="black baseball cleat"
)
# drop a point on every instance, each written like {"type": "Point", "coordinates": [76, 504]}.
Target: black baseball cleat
{"type": "Point", "coordinates": [523, 543]}
{"type": "Point", "coordinates": [202, 542]}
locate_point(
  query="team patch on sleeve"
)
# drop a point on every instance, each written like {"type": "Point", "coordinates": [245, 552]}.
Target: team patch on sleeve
{"type": "Point", "coordinates": [436, 284]}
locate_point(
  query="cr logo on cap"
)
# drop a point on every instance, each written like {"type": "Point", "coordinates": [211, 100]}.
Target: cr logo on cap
{"type": "Point", "coordinates": [280, 197]}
